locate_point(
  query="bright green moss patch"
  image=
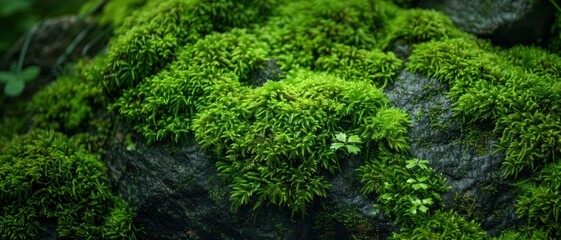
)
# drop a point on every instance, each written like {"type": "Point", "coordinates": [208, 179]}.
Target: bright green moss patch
{"type": "Point", "coordinates": [162, 106]}
{"type": "Point", "coordinates": [407, 189]}
{"type": "Point", "coordinates": [302, 31]}
{"type": "Point", "coordinates": [419, 25]}
{"type": "Point", "coordinates": [518, 92]}
{"type": "Point", "coordinates": [443, 225]}
{"type": "Point", "coordinates": [272, 142]}
{"type": "Point", "coordinates": [351, 63]}
{"type": "Point", "coordinates": [148, 40]}
{"type": "Point", "coordinates": [46, 179]}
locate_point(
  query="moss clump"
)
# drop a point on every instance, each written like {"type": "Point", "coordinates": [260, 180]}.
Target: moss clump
{"type": "Point", "coordinates": [148, 40]}
{"type": "Point", "coordinates": [46, 180]}
{"type": "Point", "coordinates": [407, 189]}
{"type": "Point", "coordinates": [302, 31]}
{"type": "Point", "coordinates": [272, 142]}
{"type": "Point", "coordinates": [517, 91]}
{"type": "Point", "coordinates": [162, 106]}
{"type": "Point", "coordinates": [538, 200]}
{"type": "Point", "coordinates": [443, 225]}
{"type": "Point", "coordinates": [419, 25]}
{"type": "Point", "coordinates": [358, 64]}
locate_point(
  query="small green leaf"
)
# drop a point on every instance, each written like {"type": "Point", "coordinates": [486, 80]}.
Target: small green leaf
{"type": "Point", "coordinates": [30, 73]}
{"type": "Point", "coordinates": [14, 88]}
{"type": "Point", "coordinates": [6, 76]}
{"type": "Point", "coordinates": [411, 163]}
{"type": "Point", "coordinates": [353, 149]}
{"type": "Point", "coordinates": [423, 208]}
{"type": "Point", "coordinates": [337, 145]}
{"type": "Point", "coordinates": [341, 137]}
{"type": "Point", "coordinates": [354, 139]}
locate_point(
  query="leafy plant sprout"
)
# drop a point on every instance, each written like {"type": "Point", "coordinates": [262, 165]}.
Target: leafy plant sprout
{"type": "Point", "coordinates": [16, 78]}
{"type": "Point", "coordinates": [350, 144]}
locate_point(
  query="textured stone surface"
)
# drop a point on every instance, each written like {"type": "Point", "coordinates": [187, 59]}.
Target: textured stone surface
{"type": "Point", "coordinates": [177, 195]}
{"type": "Point", "coordinates": [505, 22]}
{"type": "Point", "coordinates": [468, 162]}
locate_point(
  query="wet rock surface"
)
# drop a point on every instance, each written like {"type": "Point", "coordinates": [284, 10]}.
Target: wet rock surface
{"type": "Point", "coordinates": [505, 22]}
{"type": "Point", "coordinates": [465, 158]}
{"type": "Point", "coordinates": [178, 196]}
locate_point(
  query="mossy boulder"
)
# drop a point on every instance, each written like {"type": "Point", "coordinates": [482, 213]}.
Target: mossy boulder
{"type": "Point", "coordinates": [51, 187]}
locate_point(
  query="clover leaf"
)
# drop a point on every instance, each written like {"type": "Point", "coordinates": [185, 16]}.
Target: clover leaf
{"type": "Point", "coordinates": [15, 81]}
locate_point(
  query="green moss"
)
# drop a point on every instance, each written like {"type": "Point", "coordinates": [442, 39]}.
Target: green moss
{"type": "Point", "coordinates": [273, 141]}
{"type": "Point", "coordinates": [147, 41]}
{"type": "Point", "coordinates": [302, 31]}
{"type": "Point", "coordinates": [443, 225]}
{"type": "Point", "coordinates": [48, 179]}
{"type": "Point", "coordinates": [162, 106]}
{"type": "Point", "coordinates": [419, 25]}
{"type": "Point", "coordinates": [357, 64]}
{"type": "Point", "coordinates": [516, 91]}
{"type": "Point", "coordinates": [407, 189]}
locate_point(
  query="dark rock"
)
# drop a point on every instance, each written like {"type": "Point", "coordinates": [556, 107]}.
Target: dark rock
{"type": "Point", "coordinates": [505, 22]}
{"type": "Point", "coordinates": [178, 196]}
{"type": "Point", "coordinates": [465, 157]}
{"type": "Point", "coordinates": [269, 71]}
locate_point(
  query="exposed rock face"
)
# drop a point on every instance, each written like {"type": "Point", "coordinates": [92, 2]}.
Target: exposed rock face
{"type": "Point", "coordinates": [468, 162]}
{"type": "Point", "coordinates": [177, 194]}
{"type": "Point", "coordinates": [505, 22]}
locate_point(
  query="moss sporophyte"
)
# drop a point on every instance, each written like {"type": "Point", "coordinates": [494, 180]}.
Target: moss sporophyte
{"type": "Point", "coordinates": [180, 68]}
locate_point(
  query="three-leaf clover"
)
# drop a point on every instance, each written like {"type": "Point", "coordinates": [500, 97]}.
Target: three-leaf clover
{"type": "Point", "coordinates": [349, 143]}
{"type": "Point", "coordinates": [15, 80]}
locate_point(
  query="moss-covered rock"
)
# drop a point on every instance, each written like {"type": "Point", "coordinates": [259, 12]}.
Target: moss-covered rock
{"type": "Point", "coordinates": [51, 187]}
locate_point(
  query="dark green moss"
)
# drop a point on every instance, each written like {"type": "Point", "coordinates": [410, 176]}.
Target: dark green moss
{"type": "Point", "coordinates": [48, 180]}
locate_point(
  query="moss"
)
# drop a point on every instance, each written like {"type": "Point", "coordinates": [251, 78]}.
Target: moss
{"type": "Point", "coordinates": [273, 141]}
{"type": "Point", "coordinates": [357, 64]}
{"type": "Point", "coordinates": [48, 179]}
{"type": "Point", "coordinates": [162, 106]}
{"type": "Point", "coordinates": [419, 25]}
{"type": "Point", "coordinates": [443, 225]}
{"type": "Point", "coordinates": [147, 41]}
{"type": "Point", "coordinates": [71, 105]}
{"type": "Point", "coordinates": [407, 189]}
{"type": "Point", "coordinates": [302, 31]}
{"type": "Point", "coordinates": [514, 90]}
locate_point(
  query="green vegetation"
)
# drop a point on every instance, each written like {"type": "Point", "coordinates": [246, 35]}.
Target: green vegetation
{"type": "Point", "coordinates": [181, 68]}
{"type": "Point", "coordinates": [15, 79]}
{"type": "Point", "coordinates": [273, 141]}
{"type": "Point", "coordinates": [350, 144]}
{"type": "Point", "coordinates": [443, 225]}
{"type": "Point", "coordinates": [517, 92]}
{"type": "Point", "coordinates": [47, 179]}
{"type": "Point", "coordinates": [416, 26]}
{"type": "Point", "coordinates": [407, 189]}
